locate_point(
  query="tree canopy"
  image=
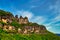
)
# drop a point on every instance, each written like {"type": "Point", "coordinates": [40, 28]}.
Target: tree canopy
{"type": "Point", "coordinates": [5, 13]}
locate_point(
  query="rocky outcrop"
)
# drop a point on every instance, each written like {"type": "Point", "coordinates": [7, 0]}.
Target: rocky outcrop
{"type": "Point", "coordinates": [32, 29]}
{"type": "Point", "coordinates": [8, 28]}
{"type": "Point", "coordinates": [23, 20]}
{"type": "Point", "coordinates": [26, 28]}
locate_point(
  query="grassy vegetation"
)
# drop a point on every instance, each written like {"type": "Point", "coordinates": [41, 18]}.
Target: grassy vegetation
{"type": "Point", "coordinates": [9, 36]}
{"type": "Point", "coordinates": [5, 13]}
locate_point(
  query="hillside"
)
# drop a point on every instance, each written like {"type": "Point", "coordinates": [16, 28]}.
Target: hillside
{"type": "Point", "coordinates": [13, 30]}
{"type": "Point", "coordinates": [5, 13]}
{"type": "Point", "coordinates": [7, 36]}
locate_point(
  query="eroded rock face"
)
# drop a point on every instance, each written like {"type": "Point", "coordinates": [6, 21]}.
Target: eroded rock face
{"type": "Point", "coordinates": [19, 30]}
{"type": "Point", "coordinates": [23, 20]}
{"type": "Point", "coordinates": [32, 29]}
{"type": "Point", "coordinates": [5, 27]}
{"type": "Point", "coordinates": [8, 28]}
{"type": "Point", "coordinates": [4, 20]}
{"type": "Point", "coordinates": [11, 27]}
{"type": "Point", "coordinates": [26, 29]}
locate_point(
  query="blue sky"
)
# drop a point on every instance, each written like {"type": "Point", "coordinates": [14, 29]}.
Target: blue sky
{"type": "Point", "coordinates": [45, 12]}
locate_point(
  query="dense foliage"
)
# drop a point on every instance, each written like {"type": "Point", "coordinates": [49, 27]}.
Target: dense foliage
{"type": "Point", "coordinates": [5, 13]}
{"type": "Point", "coordinates": [6, 36]}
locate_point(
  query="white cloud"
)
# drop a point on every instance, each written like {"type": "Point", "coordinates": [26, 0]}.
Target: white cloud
{"type": "Point", "coordinates": [52, 24]}
{"type": "Point", "coordinates": [57, 24]}
{"type": "Point", "coordinates": [39, 19]}
{"type": "Point", "coordinates": [57, 18]}
{"type": "Point", "coordinates": [25, 13]}
{"type": "Point", "coordinates": [56, 7]}
{"type": "Point", "coordinates": [48, 28]}
{"type": "Point", "coordinates": [33, 6]}
{"type": "Point", "coordinates": [31, 16]}
{"type": "Point", "coordinates": [54, 20]}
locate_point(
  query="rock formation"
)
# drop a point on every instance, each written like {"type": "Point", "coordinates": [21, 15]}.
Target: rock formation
{"type": "Point", "coordinates": [24, 26]}
{"type": "Point", "coordinates": [23, 20]}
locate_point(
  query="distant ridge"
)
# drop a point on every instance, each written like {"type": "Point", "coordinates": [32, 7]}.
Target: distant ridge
{"type": "Point", "coordinates": [58, 34]}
